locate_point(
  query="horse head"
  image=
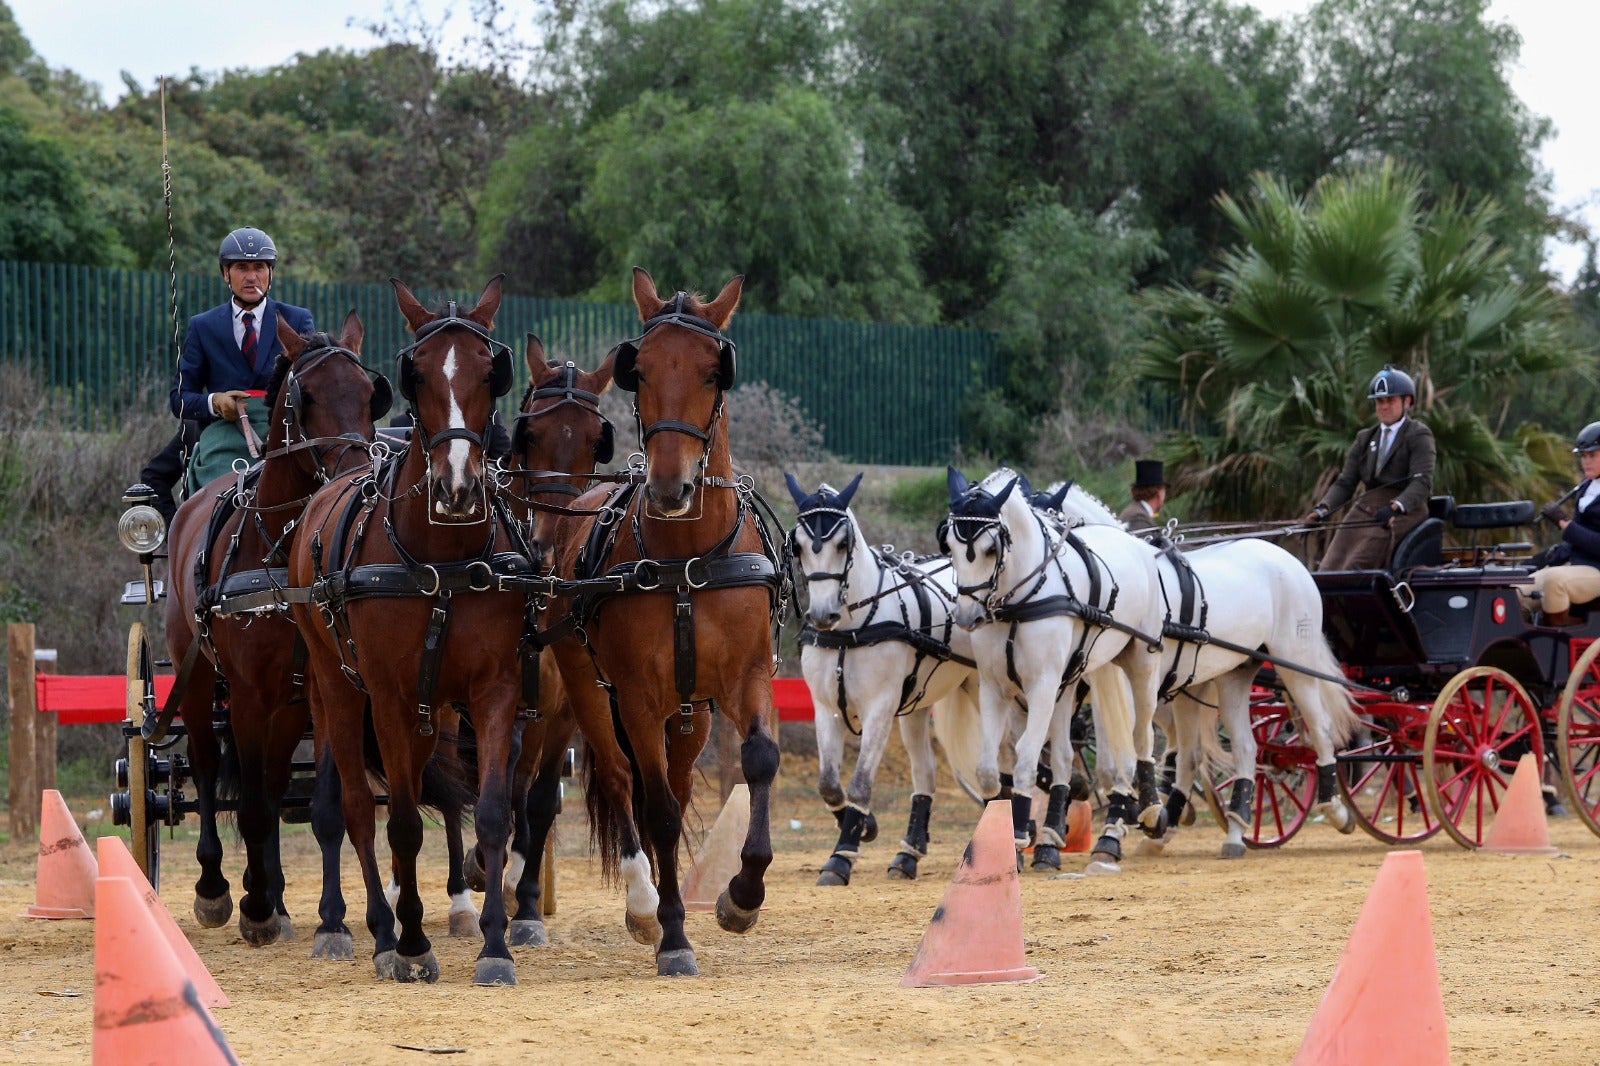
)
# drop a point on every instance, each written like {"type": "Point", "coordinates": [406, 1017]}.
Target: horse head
{"type": "Point", "coordinates": [451, 375]}
{"type": "Point", "coordinates": [824, 541]}
{"type": "Point", "coordinates": [975, 536]}
{"type": "Point", "coordinates": [560, 430]}
{"type": "Point", "coordinates": [679, 367]}
{"type": "Point", "coordinates": [323, 400]}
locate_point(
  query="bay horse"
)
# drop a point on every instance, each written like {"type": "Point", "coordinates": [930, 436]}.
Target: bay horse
{"type": "Point", "coordinates": [1249, 594]}
{"type": "Point", "coordinates": [559, 439]}
{"type": "Point", "coordinates": [1047, 608]}
{"type": "Point", "coordinates": [696, 570]}
{"type": "Point", "coordinates": [226, 615]}
{"type": "Point", "coordinates": [406, 563]}
{"type": "Point", "coordinates": [879, 644]}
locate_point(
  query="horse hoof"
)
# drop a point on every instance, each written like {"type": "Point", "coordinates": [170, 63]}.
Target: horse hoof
{"type": "Point", "coordinates": [1154, 821]}
{"type": "Point", "coordinates": [836, 871]}
{"type": "Point", "coordinates": [1339, 815]}
{"type": "Point", "coordinates": [464, 923]}
{"type": "Point", "coordinates": [334, 947]}
{"type": "Point", "coordinates": [1046, 857]}
{"type": "Point", "coordinates": [903, 867]}
{"type": "Point", "coordinates": [1188, 816]}
{"type": "Point", "coordinates": [1154, 845]}
{"type": "Point", "coordinates": [213, 913]}
{"type": "Point", "coordinates": [869, 829]}
{"type": "Point", "coordinates": [734, 918]}
{"type": "Point", "coordinates": [393, 966]}
{"type": "Point", "coordinates": [472, 870]}
{"type": "Point", "coordinates": [258, 934]}
{"type": "Point", "coordinates": [677, 963]}
{"type": "Point", "coordinates": [492, 971]}
{"type": "Point", "coordinates": [645, 930]}
{"type": "Point", "coordinates": [285, 927]}
{"type": "Point", "coordinates": [1230, 850]}
{"type": "Point", "coordinates": [528, 934]}
{"type": "Point", "coordinates": [1101, 865]}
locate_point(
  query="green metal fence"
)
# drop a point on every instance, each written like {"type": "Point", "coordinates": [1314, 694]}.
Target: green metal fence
{"type": "Point", "coordinates": [882, 394]}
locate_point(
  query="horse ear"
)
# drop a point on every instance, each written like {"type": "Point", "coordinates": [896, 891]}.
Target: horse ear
{"type": "Point", "coordinates": [721, 309]}
{"type": "Point", "coordinates": [849, 491]}
{"type": "Point", "coordinates": [488, 304]}
{"type": "Point", "coordinates": [956, 482]}
{"type": "Point", "coordinates": [1060, 497]}
{"type": "Point", "coordinates": [1027, 487]}
{"type": "Point", "coordinates": [600, 377]}
{"type": "Point", "coordinates": [352, 332]}
{"type": "Point", "coordinates": [415, 314]}
{"type": "Point", "coordinates": [1000, 497]}
{"type": "Point", "coordinates": [644, 294]}
{"type": "Point", "coordinates": [293, 343]}
{"type": "Point", "coordinates": [795, 491]}
{"type": "Point", "coordinates": [535, 356]}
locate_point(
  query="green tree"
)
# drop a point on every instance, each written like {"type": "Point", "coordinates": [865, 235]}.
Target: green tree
{"type": "Point", "coordinates": [43, 214]}
{"type": "Point", "coordinates": [1321, 290]}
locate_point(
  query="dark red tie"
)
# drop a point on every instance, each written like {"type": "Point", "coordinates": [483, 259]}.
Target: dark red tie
{"type": "Point", "coordinates": [248, 346]}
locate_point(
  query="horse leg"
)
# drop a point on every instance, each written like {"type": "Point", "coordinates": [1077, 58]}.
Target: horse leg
{"type": "Point", "coordinates": [1233, 700]}
{"type": "Point", "coordinates": [1115, 759]}
{"type": "Point", "coordinates": [496, 729]}
{"type": "Point", "coordinates": [1053, 833]}
{"type": "Point", "coordinates": [213, 904]}
{"type": "Point", "coordinates": [994, 715]}
{"type": "Point", "coordinates": [1316, 699]}
{"type": "Point", "coordinates": [332, 940]}
{"type": "Point", "coordinates": [877, 714]}
{"type": "Point", "coordinates": [1182, 715]}
{"type": "Point", "coordinates": [265, 741]}
{"type": "Point", "coordinates": [830, 756]}
{"type": "Point", "coordinates": [740, 903]}
{"type": "Point", "coordinates": [403, 758]}
{"type": "Point", "coordinates": [540, 807]}
{"type": "Point", "coordinates": [916, 734]}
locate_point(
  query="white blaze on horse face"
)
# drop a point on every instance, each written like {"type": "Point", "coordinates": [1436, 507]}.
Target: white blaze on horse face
{"type": "Point", "coordinates": [460, 450]}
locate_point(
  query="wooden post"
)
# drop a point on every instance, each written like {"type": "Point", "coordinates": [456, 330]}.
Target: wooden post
{"type": "Point", "coordinates": [22, 797]}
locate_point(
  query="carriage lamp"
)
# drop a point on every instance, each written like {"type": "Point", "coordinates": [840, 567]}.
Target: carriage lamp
{"type": "Point", "coordinates": [141, 528]}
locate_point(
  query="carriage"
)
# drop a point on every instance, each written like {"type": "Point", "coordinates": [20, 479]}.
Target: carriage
{"type": "Point", "coordinates": [1452, 683]}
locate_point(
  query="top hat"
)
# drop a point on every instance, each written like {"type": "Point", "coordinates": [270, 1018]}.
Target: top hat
{"type": "Point", "coordinates": [1147, 474]}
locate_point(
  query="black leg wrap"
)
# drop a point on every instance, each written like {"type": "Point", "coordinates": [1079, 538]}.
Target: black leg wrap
{"type": "Point", "coordinates": [1169, 768]}
{"type": "Point", "coordinates": [1021, 807]}
{"type": "Point", "coordinates": [1144, 780]}
{"type": "Point", "coordinates": [835, 872]}
{"type": "Point", "coordinates": [1055, 815]}
{"type": "Point", "coordinates": [1327, 785]}
{"type": "Point", "coordinates": [917, 826]}
{"type": "Point", "coordinates": [1079, 787]}
{"type": "Point", "coordinates": [1240, 800]}
{"type": "Point", "coordinates": [1006, 783]}
{"type": "Point", "coordinates": [869, 828]}
{"type": "Point", "coordinates": [1176, 802]}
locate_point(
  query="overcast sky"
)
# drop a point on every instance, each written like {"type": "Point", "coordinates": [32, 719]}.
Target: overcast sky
{"type": "Point", "coordinates": [99, 39]}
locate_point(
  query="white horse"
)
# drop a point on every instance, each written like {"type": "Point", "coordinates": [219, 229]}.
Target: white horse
{"type": "Point", "coordinates": [1250, 594]}
{"type": "Point", "coordinates": [1046, 608]}
{"type": "Point", "coordinates": [878, 647]}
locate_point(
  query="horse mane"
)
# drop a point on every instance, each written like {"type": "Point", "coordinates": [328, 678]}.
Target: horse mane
{"type": "Point", "coordinates": [280, 372]}
{"type": "Point", "coordinates": [1090, 508]}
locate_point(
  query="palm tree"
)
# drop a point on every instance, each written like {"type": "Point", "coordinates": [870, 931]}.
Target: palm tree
{"type": "Point", "coordinates": [1271, 358]}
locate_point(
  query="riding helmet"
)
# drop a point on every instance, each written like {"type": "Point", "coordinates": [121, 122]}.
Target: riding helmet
{"type": "Point", "coordinates": [1588, 438]}
{"type": "Point", "coordinates": [1391, 382]}
{"type": "Point", "coordinates": [246, 244]}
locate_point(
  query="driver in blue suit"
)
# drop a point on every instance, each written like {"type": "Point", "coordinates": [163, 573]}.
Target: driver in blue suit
{"type": "Point", "coordinates": [226, 363]}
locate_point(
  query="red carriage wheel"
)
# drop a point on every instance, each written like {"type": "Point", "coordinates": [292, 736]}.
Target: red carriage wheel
{"type": "Point", "coordinates": [144, 823]}
{"type": "Point", "coordinates": [1380, 776]}
{"type": "Point", "coordinates": [1578, 737]}
{"type": "Point", "coordinates": [1482, 723]}
{"type": "Point", "coordinates": [1286, 778]}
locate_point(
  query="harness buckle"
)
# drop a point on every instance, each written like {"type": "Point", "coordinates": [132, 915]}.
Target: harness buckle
{"type": "Point", "coordinates": [685, 718]}
{"type": "Point", "coordinates": [488, 571]}
{"type": "Point", "coordinates": [429, 568]}
{"type": "Point", "coordinates": [688, 573]}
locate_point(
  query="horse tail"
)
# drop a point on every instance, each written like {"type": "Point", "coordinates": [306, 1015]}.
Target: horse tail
{"type": "Point", "coordinates": [447, 790]}
{"type": "Point", "coordinates": [960, 733]}
{"type": "Point", "coordinates": [1340, 707]}
{"type": "Point", "coordinates": [605, 819]}
{"type": "Point", "coordinates": [230, 775]}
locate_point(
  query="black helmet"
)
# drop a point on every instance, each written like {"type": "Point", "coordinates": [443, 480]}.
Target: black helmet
{"type": "Point", "coordinates": [1588, 439]}
{"type": "Point", "coordinates": [1391, 382]}
{"type": "Point", "coordinates": [246, 245]}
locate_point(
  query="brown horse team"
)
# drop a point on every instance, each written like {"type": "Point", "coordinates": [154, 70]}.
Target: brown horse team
{"type": "Point", "coordinates": [442, 585]}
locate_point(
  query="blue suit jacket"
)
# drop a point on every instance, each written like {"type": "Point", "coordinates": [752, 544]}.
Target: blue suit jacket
{"type": "Point", "coordinates": [212, 362]}
{"type": "Point", "coordinates": [1583, 533]}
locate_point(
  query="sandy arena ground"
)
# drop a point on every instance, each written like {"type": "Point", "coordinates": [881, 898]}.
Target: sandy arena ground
{"type": "Point", "coordinates": [1183, 958]}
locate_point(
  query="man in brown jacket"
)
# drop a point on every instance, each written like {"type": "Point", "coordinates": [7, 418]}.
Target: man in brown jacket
{"type": "Point", "coordinates": [1394, 461]}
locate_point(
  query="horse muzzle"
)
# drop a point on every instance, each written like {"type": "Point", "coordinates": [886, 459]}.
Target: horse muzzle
{"type": "Point", "coordinates": [671, 497]}
{"type": "Point", "coordinates": [822, 620]}
{"type": "Point", "coordinates": [459, 499]}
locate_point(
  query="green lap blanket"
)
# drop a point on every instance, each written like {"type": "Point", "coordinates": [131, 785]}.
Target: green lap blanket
{"type": "Point", "coordinates": [222, 442]}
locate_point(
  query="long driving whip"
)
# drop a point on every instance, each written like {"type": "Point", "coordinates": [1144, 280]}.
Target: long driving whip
{"type": "Point", "coordinates": [172, 250]}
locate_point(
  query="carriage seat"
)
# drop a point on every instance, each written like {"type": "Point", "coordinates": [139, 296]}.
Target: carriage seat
{"type": "Point", "coordinates": [1493, 515]}
{"type": "Point", "coordinates": [1424, 545]}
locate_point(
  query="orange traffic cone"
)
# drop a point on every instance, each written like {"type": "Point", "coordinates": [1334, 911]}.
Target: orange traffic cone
{"type": "Point", "coordinates": [146, 1012]}
{"type": "Point", "coordinates": [1519, 827]}
{"type": "Point", "coordinates": [65, 882]}
{"type": "Point", "coordinates": [718, 858]}
{"type": "Point", "coordinates": [1080, 826]}
{"type": "Point", "coordinates": [117, 861]}
{"type": "Point", "coordinates": [976, 934]}
{"type": "Point", "coordinates": [1383, 1004]}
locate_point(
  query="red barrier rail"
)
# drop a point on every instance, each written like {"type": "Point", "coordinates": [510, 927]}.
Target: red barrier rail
{"type": "Point", "coordinates": [82, 699]}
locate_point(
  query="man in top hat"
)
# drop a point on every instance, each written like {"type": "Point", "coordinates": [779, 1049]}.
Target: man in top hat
{"type": "Point", "coordinates": [1149, 491]}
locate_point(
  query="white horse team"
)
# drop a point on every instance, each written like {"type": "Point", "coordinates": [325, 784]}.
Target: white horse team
{"type": "Point", "coordinates": [1042, 597]}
